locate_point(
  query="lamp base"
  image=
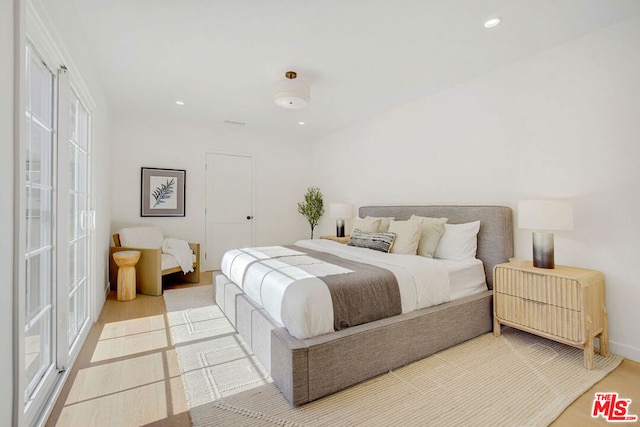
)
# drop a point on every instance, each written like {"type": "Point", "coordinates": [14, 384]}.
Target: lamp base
{"type": "Point", "coordinates": [543, 249]}
{"type": "Point", "coordinates": [340, 227]}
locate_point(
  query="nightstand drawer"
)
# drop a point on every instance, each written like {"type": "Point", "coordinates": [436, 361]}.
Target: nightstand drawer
{"type": "Point", "coordinates": [557, 291]}
{"type": "Point", "coordinates": [551, 319]}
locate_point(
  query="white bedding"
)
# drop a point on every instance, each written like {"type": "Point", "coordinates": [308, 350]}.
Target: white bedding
{"type": "Point", "coordinates": [288, 284]}
{"type": "Point", "coordinates": [465, 277]}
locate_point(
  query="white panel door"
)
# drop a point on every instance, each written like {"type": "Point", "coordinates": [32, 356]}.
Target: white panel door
{"type": "Point", "coordinates": [229, 205]}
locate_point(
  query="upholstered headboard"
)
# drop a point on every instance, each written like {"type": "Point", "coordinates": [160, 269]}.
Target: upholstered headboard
{"type": "Point", "coordinates": [495, 239]}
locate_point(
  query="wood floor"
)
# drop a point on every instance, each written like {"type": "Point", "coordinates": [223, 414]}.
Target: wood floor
{"type": "Point", "coordinates": [624, 380]}
{"type": "Point", "coordinates": [127, 374]}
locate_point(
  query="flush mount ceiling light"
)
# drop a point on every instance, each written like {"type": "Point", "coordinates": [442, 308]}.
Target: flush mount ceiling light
{"type": "Point", "coordinates": [493, 22]}
{"type": "Point", "coordinates": [291, 92]}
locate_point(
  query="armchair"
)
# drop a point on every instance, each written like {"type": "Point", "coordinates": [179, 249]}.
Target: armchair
{"type": "Point", "coordinates": [153, 264]}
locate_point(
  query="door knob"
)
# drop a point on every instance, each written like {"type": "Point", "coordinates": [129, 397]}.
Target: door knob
{"type": "Point", "coordinates": [249, 217]}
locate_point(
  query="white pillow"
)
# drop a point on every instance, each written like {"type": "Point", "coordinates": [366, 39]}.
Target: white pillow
{"type": "Point", "coordinates": [144, 237]}
{"type": "Point", "coordinates": [368, 224]}
{"type": "Point", "coordinates": [407, 236]}
{"type": "Point", "coordinates": [384, 222]}
{"type": "Point", "coordinates": [432, 230]}
{"type": "Point", "coordinates": [459, 241]}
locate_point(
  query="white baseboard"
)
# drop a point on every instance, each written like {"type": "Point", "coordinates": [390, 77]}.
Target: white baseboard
{"type": "Point", "coordinates": [625, 351]}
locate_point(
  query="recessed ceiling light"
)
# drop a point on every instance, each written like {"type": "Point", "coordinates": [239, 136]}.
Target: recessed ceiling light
{"type": "Point", "coordinates": [180, 102]}
{"type": "Point", "coordinates": [493, 22]}
{"type": "Point", "coordinates": [301, 123]}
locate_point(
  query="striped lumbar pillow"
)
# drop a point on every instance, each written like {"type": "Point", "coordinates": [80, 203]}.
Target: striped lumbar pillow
{"type": "Point", "coordinates": [377, 241]}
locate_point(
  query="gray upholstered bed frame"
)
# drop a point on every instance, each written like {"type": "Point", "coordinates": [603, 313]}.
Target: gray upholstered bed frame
{"type": "Point", "coordinates": [305, 370]}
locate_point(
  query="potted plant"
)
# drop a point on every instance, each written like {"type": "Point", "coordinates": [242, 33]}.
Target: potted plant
{"type": "Point", "coordinates": [313, 207]}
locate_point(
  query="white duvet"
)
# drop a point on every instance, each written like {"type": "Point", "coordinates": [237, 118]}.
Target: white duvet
{"type": "Point", "coordinates": [288, 285]}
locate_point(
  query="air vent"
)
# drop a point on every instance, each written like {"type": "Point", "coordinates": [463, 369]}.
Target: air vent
{"type": "Point", "coordinates": [234, 123]}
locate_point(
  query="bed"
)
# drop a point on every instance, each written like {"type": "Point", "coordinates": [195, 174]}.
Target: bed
{"type": "Point", "coordinates": [308, 368]}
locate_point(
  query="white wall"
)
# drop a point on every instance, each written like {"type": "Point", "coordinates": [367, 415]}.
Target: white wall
{"type": "Point", "coordinates": [562, 124]}
{"type": "Point", "coordinates": [6, 199]}
{"type": "Point", "coordinates": [281, 174]}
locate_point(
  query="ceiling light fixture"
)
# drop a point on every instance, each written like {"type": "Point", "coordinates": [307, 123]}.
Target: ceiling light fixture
{"type": "Point", "coordinates": [291, 92]}
{"type": "Point", "coordinates": [493, 22]}
{"type": "Point", "coordinates": [180, 102]}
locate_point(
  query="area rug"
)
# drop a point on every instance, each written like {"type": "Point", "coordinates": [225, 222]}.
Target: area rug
{"type": "Point", "coordinates": [516, 379]}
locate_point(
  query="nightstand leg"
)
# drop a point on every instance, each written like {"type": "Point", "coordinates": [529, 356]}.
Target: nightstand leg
{"type": "Point", "coordinates": [604, 336]}
{"type": "Point", "coordinates": [496, 326]}
{"type": "Point", "coordinates": [588, 353]}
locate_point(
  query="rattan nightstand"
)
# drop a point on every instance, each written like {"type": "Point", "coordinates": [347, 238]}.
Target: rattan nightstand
{"type": "Point", "coordinates": [565, 304]}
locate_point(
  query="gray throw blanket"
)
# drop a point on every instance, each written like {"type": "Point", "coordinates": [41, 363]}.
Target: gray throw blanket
{"type": "Point", "coordinates": [369, 293]}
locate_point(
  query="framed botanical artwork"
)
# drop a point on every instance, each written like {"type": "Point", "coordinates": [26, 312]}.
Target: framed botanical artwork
{"type": "Point", "coordinates": [162, 192]}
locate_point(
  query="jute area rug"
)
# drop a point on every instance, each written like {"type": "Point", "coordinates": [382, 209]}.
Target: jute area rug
{"type": "Point", "coordinates": [515, 380]}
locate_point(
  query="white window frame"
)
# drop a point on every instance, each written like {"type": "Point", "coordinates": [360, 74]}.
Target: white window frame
{"type": "Point", "coordinates": [31, 28]}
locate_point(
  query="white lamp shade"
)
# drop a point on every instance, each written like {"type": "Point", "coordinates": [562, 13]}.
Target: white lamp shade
{"type": "Point", "coordinates": [545, 215]}
{"type": "Point", "coordinates": [291, 93]}
{"type": "Point", "coordinates": [340, 210]}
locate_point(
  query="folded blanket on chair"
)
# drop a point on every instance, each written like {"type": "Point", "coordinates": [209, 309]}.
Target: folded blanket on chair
{"type": "Point", "coordinates": [181, 252]}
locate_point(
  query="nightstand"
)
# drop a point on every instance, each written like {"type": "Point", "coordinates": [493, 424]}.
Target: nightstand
{"type": "Point", "coordinates": [564, 304]}
{"type": "Point", "coordinates": [344, 239]}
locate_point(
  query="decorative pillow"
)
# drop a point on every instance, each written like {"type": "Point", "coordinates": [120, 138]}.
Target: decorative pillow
{"type": "Point", "coordinates": [144, 237]}
{"type": "Point", "coordinates": [432, 230]}
{"type": "Point", "coordinates": [366, 239]}
{"type": "Point", "coordinates": [407, 236]}
{"type": "Point", "coordinates": [368, 224]}
{"type": "Point", "coordinates": [384, 222]}
{"type": "Point", "coordinates": [459, 241]}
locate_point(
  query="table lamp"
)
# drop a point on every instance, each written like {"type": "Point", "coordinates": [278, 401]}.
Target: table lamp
{"type": "Point", "coordinates": [544, 216]}
{"type": "Point", "coordinates": [340, 211]}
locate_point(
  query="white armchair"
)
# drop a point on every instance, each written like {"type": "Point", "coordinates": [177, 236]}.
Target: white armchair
{"type": "Point", "coordinates": [153, 264]}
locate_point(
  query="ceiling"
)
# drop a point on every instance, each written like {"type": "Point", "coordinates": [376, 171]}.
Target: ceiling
{"type": "Point", "coordinates": [361, 57]}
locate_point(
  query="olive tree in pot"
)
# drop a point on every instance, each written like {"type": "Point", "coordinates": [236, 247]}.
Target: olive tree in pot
{"type": "Point", "coordinates": [313, 207]}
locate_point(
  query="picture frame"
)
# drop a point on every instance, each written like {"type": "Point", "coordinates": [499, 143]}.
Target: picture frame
{"type": "Point", "coordinates": [162, 192]}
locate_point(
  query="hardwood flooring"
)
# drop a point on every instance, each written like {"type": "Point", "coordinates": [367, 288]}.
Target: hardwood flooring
{"type": "Point", "coordinates": [624, 380]}
{"type": "Point", "coordinates": [127, 374]}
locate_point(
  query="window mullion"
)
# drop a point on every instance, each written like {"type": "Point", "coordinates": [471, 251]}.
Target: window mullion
{"type": "Point", "coordinates": [62, 223]}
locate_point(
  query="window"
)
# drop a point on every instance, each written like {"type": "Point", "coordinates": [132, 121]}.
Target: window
{"type": "Point", "coordinates": [39, 256]}
{"type": "Point", "coordinates": [57, 231]}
